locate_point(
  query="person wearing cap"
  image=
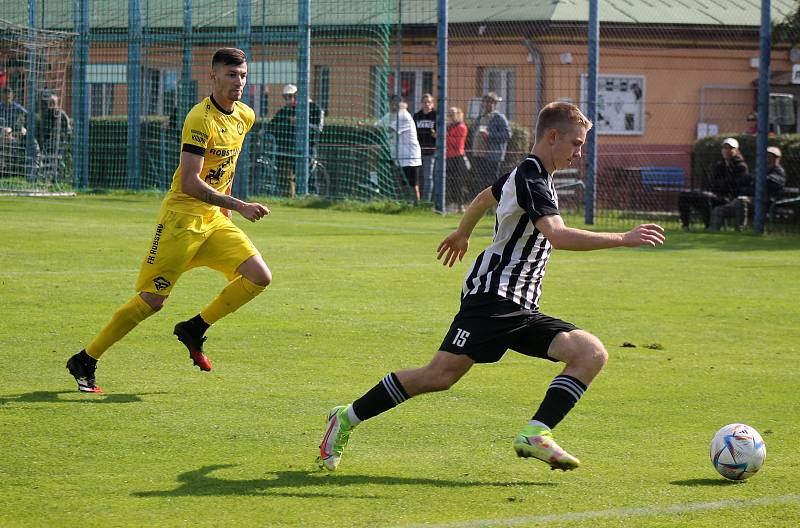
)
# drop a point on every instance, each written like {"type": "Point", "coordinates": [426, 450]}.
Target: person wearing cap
{"type": "Point", "coordinates": [490, 135]}
{"type": "Point", "coordinates": [776, 174]}
{"type": "Point", "coordinates": [737, 208]}
{"type": "Point", "coordinates": [730, 176]}
{"type": "Point", "coordinates": [283, 128]}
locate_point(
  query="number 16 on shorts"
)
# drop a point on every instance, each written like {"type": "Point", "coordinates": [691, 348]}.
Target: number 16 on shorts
{"type": "Point", "coordinates": [461, 337]}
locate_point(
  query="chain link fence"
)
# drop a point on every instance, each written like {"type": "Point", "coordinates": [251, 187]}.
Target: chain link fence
{"type": "Point", "coordinates": [672, 84]}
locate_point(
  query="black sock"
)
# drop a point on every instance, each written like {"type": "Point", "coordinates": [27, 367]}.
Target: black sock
{"type": "Point", "coordinates": [199, 324]}
{"type": "Point", "coordinates": [562, 395]}
{"type": "Point", "coordinates": [86, 359]}
{"type": "Point", "coordinates": [387, 394]}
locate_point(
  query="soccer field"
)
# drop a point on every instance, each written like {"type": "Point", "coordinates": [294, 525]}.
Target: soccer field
{"type": "Point", "coordinates": [714, 318]}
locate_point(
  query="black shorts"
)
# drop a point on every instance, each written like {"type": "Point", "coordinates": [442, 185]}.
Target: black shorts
{"type": "Point", "coordinates": [412, 175]}
{"type": "Point", "coordinates": [487, 325]}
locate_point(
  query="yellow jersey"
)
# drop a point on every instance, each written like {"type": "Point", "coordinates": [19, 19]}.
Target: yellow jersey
{"type": "Point", "coordinates": [217, 135]}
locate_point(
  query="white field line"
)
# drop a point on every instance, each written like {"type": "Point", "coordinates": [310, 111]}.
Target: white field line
{"type": "Point", "coordinates": [621, 513]}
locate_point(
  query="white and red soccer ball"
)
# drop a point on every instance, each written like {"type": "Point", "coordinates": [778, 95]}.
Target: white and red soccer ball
{"type": "Point", "coordinates": [737, 451]}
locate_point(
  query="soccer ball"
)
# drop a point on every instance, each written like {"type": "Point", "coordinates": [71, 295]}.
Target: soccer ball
{"type": "Point", "coordinates": [737, 451]}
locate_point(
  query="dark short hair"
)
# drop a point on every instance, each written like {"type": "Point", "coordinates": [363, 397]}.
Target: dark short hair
{"type": "Point", "coordinates": [228, 57]}
{"type": "Point", "coordinates": [6, 90]}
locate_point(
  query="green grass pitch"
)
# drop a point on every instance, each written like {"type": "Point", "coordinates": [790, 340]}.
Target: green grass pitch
{"type": "Point", "coordinates": [355, 296]}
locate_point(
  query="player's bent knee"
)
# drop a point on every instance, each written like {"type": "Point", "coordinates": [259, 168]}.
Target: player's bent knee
{"type": "Point", "coordinates": [597, 357]}
{"type": "Point", "coordinates": [579, 348]}
{"type": "Point", "coordinates": [264, 279]}
{"type": "Point", "coordinates": [156, 302]}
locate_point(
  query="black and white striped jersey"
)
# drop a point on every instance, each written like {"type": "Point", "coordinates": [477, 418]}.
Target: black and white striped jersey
{"type": "Point", "coordinates": [513, 265]}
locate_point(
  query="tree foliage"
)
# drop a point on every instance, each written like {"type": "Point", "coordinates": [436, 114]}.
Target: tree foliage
{"type": "Point", "coordinates": [789, 29]}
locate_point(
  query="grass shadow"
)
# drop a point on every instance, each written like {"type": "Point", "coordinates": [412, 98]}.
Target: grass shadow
{"type": "Point", "coordinates": [200, 483]}
{"type": "Point", "coordinates": [705, 482]}
{"type": "Point", "coordinates": [82, 398]}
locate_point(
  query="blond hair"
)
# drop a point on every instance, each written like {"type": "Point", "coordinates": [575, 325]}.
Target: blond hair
{"type": "Point", "coordinates": [560, 115]}
{"type": "Point", "coordinates": [459, 114]}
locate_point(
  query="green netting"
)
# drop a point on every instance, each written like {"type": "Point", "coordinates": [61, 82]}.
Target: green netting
{"type": "Point", "coordinates": [673, 79]}
{"type": "Point", "coordinates": [35, 132]}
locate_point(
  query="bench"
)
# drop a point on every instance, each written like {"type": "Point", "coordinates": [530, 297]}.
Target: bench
{"type": "Point", "coordinates": [670, 177]}
{"type": "Point", "coordinates": [567, 183]}
{"type": "Point", "coordinates": [785, 209]}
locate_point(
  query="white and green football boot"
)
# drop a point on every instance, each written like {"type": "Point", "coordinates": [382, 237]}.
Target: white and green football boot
{"type": "Point", "coordinates": [336, 437]}
{"type": "Point", "coordinates": [538, 442]}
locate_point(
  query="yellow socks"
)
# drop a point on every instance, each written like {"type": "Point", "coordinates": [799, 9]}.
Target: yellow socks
{"type": "Point", "coordinates": [238, 292]}
{"type": "Point", "coordinates": [123, 321]}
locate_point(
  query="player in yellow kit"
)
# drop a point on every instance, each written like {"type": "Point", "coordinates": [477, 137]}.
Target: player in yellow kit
{"type": "Point", "coordinates": [194, 226]}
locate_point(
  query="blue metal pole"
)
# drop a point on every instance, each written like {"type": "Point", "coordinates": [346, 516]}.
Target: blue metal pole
{"type": "Point", "coordinates": [30, 137]}
{"type": "Point", "coordinates": [134, 73]}
{"type": "Point", "coordinates": [80, 96]}
{"type": "Point", "coordinates": [440, 184]}
{"type": "Point", "coordinates": [765, 37]}
{"type": "Point", "coordinates": [591, 106]}
{"type": "Point", "coordinates": [185, 100]}
{"type": "Point", "coordinates": [303, 75]}
{"type": "Point", "coordinates": [243, 33]}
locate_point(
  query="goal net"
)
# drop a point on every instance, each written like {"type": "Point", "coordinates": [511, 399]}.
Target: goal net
{"type": "Point", "coordinates": [35, 131]}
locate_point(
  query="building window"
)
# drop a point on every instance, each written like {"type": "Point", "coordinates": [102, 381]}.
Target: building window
{"type": "Point", "coordinates": [102, 79]}
{"type": "Point", "coordinates": [413, 83]}
{"type": "Point", "coordinates": [101, 99]}
{"type": "Point", "coordinates": [501, 81]}
{"type": "Point", "coordinates": [378, 92]}
{"type": "Point", "coordinates": [321, 90]}
{"type": "Point", "coordinates": [160, 91]}
{"type": "Point", "coordinates": [266, 80]}
{"type": "Point", "coordinates": [620, 104]}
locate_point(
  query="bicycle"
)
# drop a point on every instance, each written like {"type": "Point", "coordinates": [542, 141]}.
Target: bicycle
{"type": "Point", "coordinates": [319, 181]}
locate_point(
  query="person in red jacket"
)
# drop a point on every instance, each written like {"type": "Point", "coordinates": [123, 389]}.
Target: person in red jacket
{"type": "Point", "coordinates": [456, 160]}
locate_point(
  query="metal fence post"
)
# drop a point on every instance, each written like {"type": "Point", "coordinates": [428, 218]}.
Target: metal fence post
{"type": "Point", "coordinates": [302, 109]}
{"type": "Point", "coordinates": [765, 37]}
{"type": "Point", "coordinates": [185, 99]}
{"type": "Point", "coordinates": [80, 96]}
{"type": "Point", "coordinates": [243, 34]}
{"type": "Point", "coordinates": [30, 137]}
{"type": "Point", "coordinates": [591, 106]}
{"type": "Point", "coordinates": [134, 71]}
{"type": "Point", "coordinates": [440, 185]}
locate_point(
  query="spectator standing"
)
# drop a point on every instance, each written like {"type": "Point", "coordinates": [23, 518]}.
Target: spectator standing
{"type": "Point", "coordinates": [283, 127]}
{"type": "Point", "coordinates": [403, 142]}
{"type": "Point", "coordinates": [456, 159]}
{"type": "Point", "coordinates": [730, 173]}
{"type": "Point", "coordinates": [490, 135]}
{"type": "Point", "coordinates": [425, 119]}
{"type": "Point", "coordinates": [53, 134]}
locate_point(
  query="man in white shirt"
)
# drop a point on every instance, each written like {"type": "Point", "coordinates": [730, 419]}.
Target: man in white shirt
{"type": "Point", "coordinates": [403, 142]}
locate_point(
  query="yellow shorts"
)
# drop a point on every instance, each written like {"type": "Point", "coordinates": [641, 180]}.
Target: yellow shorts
{"type": "Point", "coordinates": [183, 241]}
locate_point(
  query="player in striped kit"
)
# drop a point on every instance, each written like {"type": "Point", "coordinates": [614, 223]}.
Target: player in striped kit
{"type": "Point", "coordinates": [500, 297]}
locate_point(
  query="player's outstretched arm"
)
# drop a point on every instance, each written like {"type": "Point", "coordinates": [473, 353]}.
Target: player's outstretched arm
{"type": "Point", "coordinates": [193, 185]}
{"type": "Point", "coordinates": [455, 245]}
{"type": "Point", "coordinates": [563, 237]}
